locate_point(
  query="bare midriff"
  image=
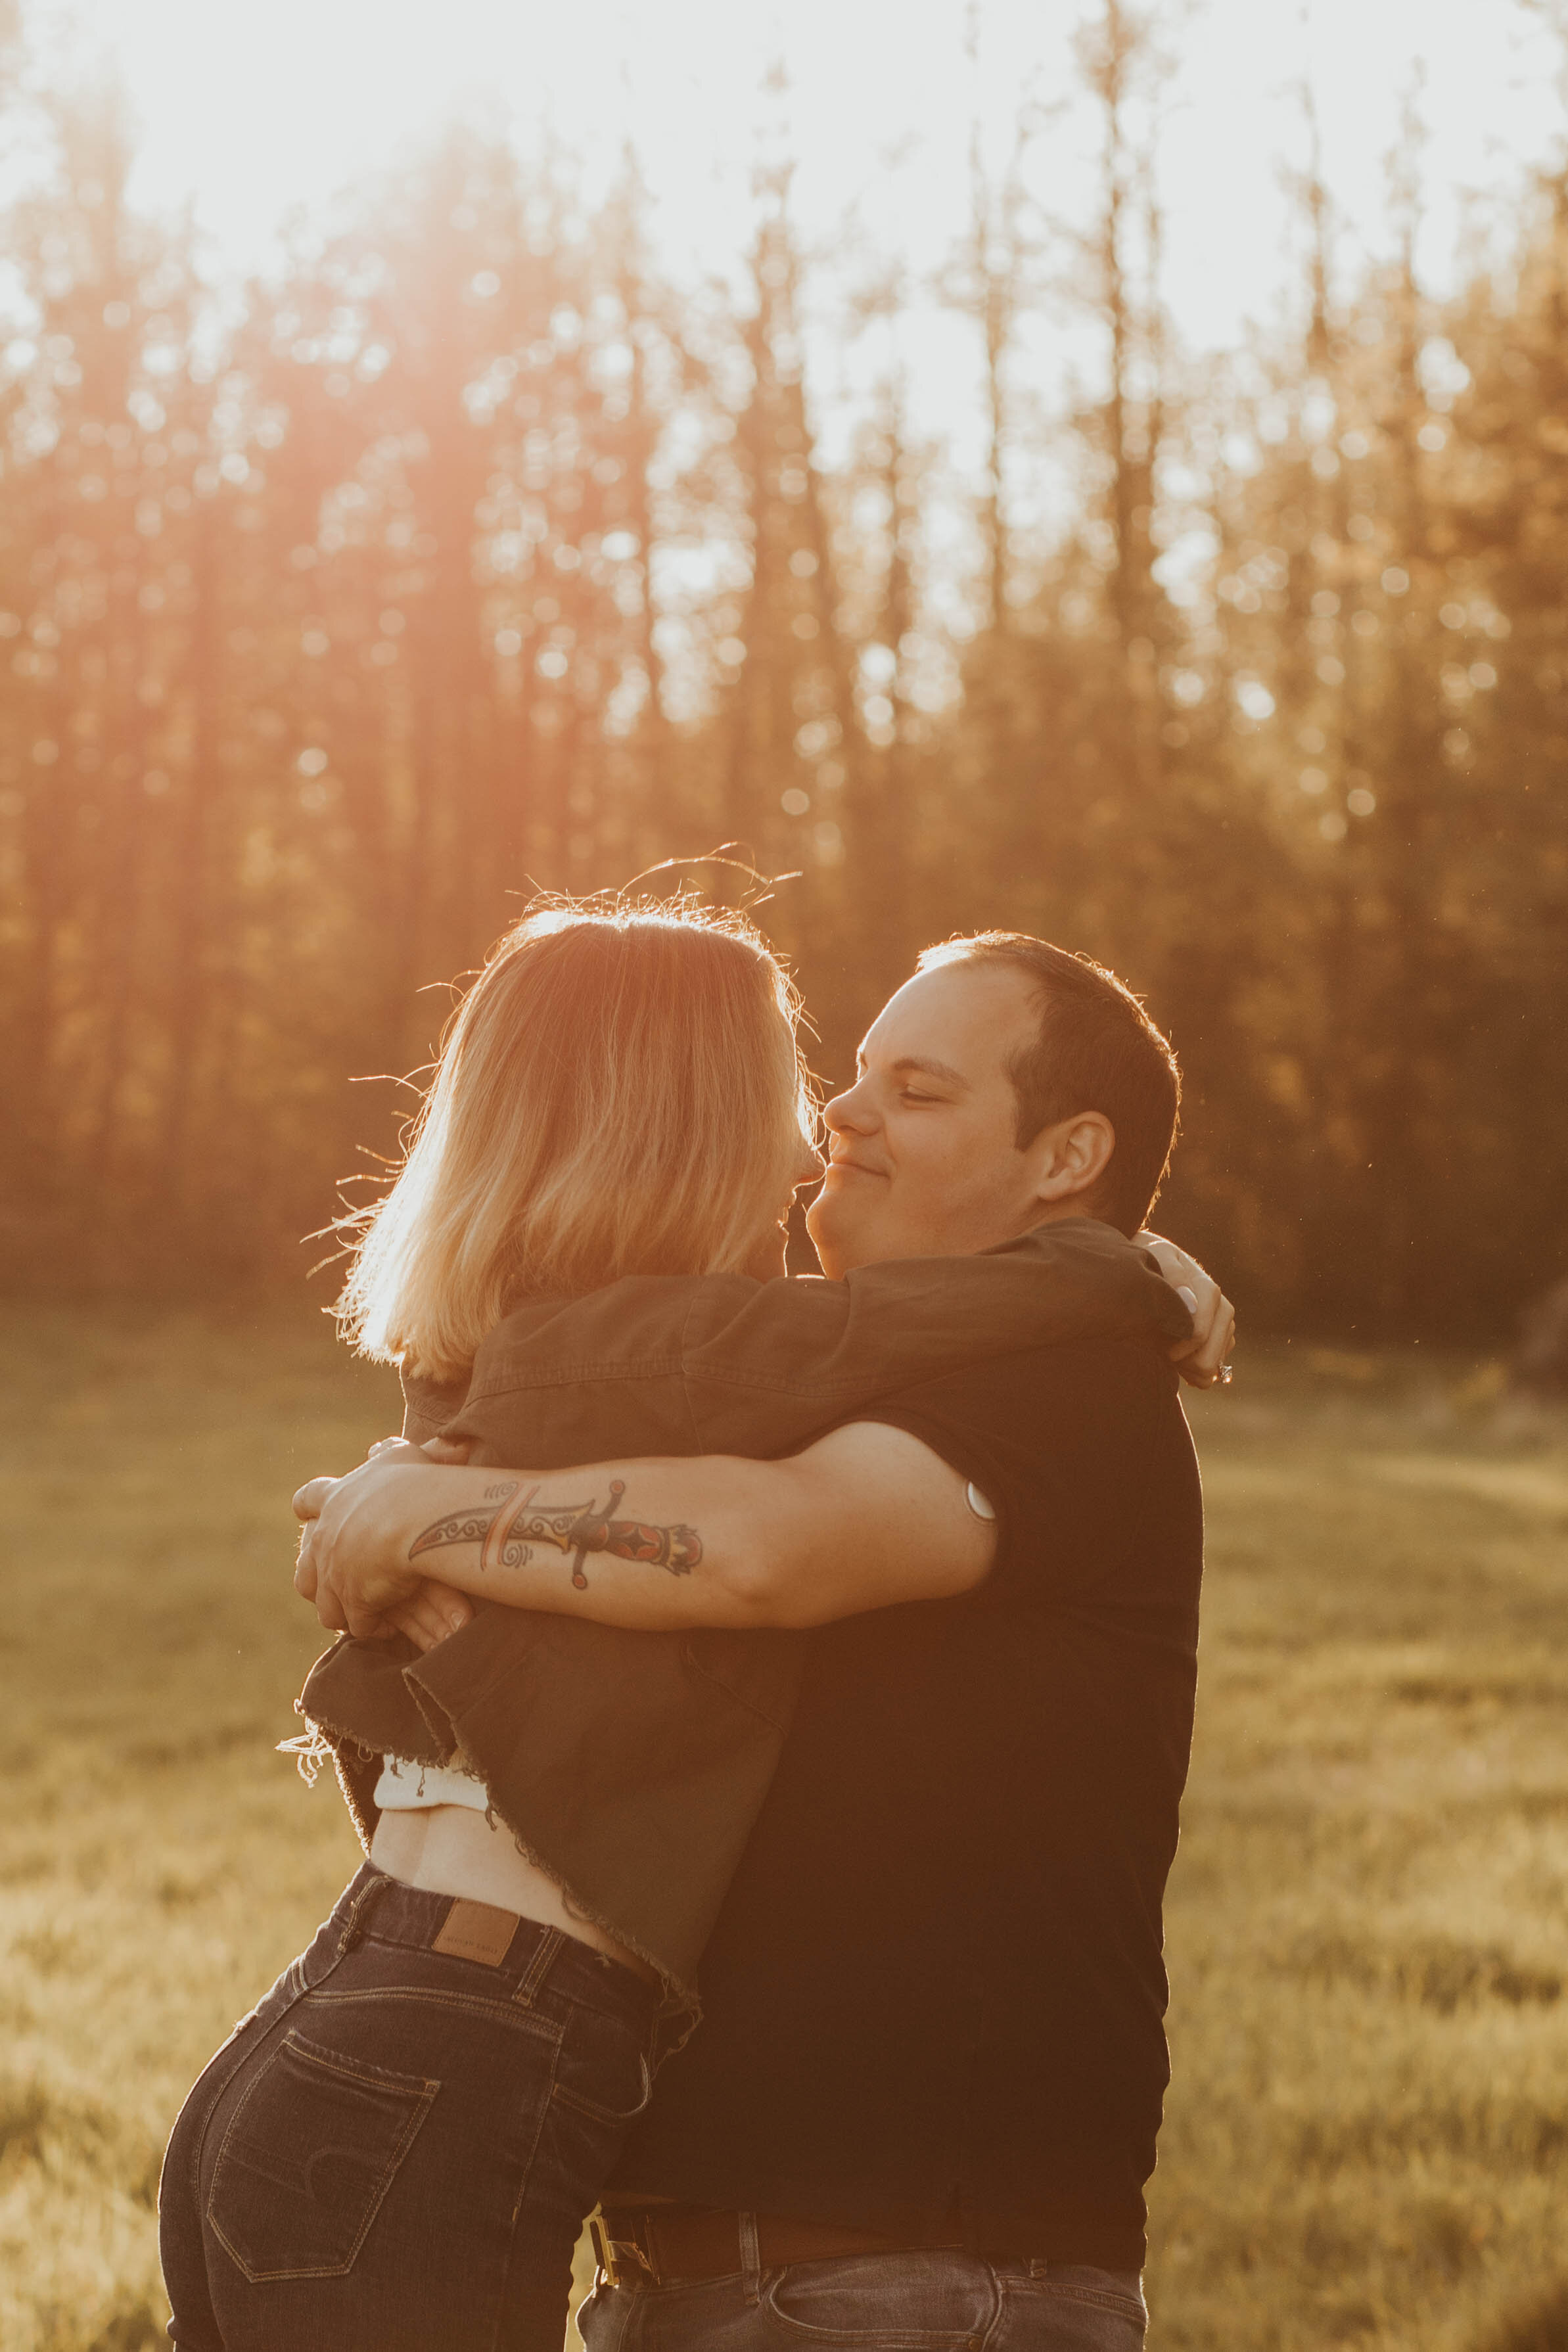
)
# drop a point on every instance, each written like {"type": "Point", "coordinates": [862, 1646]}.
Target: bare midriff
{"type": "Point", "coordinates": [451, 1849]}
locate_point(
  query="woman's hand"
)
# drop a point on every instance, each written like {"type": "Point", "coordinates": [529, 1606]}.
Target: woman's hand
{"type": "Point", "coordinates": [1204, 1359]}
{"type": "Point", "coordinates": [431, 1614]}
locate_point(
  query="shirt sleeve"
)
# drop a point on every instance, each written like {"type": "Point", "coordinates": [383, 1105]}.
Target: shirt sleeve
{"type": "Point", "coordinates": [1059, 1441]}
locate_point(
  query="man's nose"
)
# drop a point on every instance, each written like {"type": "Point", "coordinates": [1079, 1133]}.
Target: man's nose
{"type": "Point", "coordinates": [850, 1110]}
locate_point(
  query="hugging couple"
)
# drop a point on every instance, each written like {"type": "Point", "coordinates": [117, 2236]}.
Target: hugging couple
{"type": "Point", "coordinates": [765, 1703]}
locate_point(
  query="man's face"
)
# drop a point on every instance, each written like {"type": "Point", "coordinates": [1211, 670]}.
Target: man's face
{"type": "Point", "coordinates": [923, 1159]}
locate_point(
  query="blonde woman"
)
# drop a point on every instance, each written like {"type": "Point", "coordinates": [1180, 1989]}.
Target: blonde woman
{"type": "Point", "coordinates": [397, 2148]}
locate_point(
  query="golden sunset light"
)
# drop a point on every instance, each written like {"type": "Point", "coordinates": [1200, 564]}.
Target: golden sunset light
{"type": "Point", "coordinates": [753, 758]}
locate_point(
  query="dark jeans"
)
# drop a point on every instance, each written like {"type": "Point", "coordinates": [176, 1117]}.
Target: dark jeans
{"type": "Point", "coordinates": [887, 2303]}
{"type": "Point", "coordinates": [396, 2150]}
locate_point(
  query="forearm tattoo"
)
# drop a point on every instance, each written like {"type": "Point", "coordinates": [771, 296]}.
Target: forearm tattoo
{"type": "Point", "coordinates": [506, 1524]}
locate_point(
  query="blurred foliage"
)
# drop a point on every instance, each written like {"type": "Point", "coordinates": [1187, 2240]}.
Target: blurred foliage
{"type": "Point", "coordinates": [469, 552]}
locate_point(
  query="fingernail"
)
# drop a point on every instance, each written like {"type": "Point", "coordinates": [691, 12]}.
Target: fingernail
{"type": "Point", "coordinates": [1190, 1295]}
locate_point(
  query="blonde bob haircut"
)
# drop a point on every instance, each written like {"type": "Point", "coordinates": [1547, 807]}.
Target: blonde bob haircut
{"type": "Point", "coordinates": [621, 1091]}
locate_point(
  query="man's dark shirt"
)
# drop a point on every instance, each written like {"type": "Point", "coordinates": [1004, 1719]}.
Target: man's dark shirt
{"type": "Point", "coordinates": [934, 1997]}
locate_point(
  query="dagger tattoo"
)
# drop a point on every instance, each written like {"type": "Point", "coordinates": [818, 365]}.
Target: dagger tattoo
{"type": "Point", "coordinates": [506, 1532]}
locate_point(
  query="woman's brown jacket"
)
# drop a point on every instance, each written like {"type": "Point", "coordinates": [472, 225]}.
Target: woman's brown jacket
{"type": "Point", "coordinates": [631, 1766]}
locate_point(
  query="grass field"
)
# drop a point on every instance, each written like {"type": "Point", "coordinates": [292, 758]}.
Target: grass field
{"type": "Point", "coordinates": [1367, 2137]}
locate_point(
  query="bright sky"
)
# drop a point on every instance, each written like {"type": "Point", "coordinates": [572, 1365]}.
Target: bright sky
{"type": "Point", "coordinates": [252, 110]}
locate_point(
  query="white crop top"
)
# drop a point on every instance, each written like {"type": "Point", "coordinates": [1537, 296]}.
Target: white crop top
{"type": "Point", "coordinates": [406, 1788]}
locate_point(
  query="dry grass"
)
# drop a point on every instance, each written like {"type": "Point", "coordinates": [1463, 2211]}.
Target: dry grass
{"type": "Point", "coordinates": [1368, 2135]}
{"type": "Point", "coordinates": [1368, 2132]}
{"type": "Point", "coordinates": [158, 1864]}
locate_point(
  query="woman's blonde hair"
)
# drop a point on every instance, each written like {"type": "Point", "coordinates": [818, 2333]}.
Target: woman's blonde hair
{"type": "Point", "coordinates": [621, 1091]}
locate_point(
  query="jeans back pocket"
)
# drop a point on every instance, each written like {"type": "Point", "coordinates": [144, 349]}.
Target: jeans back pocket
{"type": "Point", "coordinates": [308, 2158]}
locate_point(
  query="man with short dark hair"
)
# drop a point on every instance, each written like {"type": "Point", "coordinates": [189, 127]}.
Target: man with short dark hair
{"type": "Point", "coordinates": [1076, 1051]}
{"type": "Point", "coordinates": [924, 2098]}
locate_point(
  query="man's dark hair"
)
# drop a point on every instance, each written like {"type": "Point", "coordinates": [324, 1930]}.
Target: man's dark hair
{"type": "Point", "coordinates": [1097, 1049]}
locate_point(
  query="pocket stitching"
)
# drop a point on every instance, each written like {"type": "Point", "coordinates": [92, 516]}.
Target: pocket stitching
{"type": "Point", "coordinates": [892, 2336]}
{"type": "Point", "coordinates": [1102, 2298]}
{"type": "Point", "coordinates": [598, 2115]}
{"type": "Point", "coordinates": [544, 2029]}
{"type": "Point", "coordinates": [310, 2052]}
{"type": "Point", "coordinates": [895, 2338]}
{"type": "Point", "coordinates": [929, 2339]}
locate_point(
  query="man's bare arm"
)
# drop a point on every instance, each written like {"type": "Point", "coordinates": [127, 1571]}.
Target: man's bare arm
{"type": "Point", "coordinates": [867, 1517]}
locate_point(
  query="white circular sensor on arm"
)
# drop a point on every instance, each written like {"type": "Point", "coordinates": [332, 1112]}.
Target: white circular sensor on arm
{"type": "Point", "coordinates": [978, 1503]}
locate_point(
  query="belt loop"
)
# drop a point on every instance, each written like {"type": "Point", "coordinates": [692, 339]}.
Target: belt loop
{"type": "Point", "coordinates": [750, 2260]}
{"type": "Point", "coordinates": [538, 1969]}
{"type": "Point", "coordinates": [354, 1925]}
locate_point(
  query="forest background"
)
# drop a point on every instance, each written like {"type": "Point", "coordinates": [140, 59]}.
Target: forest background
{"type": "Point", "coordinates": [473, 549]}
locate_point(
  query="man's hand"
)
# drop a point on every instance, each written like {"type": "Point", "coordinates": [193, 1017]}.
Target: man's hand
{"type": "Point", "coordinates": [421, 1607]}
{"type": "Point", "coordinates": [307, 1501]}
{"type": "Point", "coordinates": [351, 1562]}
{"type": "Point", "coordinates": [1204, 1359]}
{"type": "Point", "coordinates": [362, 1603]}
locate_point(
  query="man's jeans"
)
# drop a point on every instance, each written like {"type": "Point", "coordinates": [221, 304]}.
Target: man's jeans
{"type": "Point", "coordinates": [395, 2150]}
{"type": "Point", "coordinates": [893, 2302]}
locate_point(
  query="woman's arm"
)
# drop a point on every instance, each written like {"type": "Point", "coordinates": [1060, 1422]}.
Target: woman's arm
{"type": "Point", "coordinates": [1204, 1359]}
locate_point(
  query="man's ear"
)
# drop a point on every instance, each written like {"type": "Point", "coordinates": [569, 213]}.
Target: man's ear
{"type": "Point", "coordinates": [1068, 1160]}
